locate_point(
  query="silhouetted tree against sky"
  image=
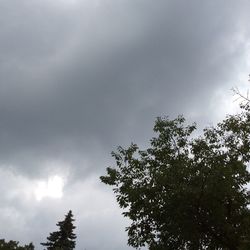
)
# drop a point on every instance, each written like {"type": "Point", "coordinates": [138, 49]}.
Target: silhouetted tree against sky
{"type": "Point", "coordinates": [64, 239]}
{"type": "Point", "coordinates": [14, 245]}
{"type": "Point", "coordinates": [185, 192]}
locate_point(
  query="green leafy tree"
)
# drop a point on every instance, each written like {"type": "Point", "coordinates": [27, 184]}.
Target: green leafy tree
{"type": "Point", "coordinates": [14, 245]}
{"type": "Point", "coordinates": [185, 192]}
{"type": "Point", "coordinates": [64, 239]}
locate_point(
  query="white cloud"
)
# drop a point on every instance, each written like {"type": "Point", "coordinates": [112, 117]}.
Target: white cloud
{"type": "Point", "coordinates": [52, 188]}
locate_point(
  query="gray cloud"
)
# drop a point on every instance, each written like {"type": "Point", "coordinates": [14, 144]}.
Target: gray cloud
{"type": "Point", "coordinates": [78, 78]}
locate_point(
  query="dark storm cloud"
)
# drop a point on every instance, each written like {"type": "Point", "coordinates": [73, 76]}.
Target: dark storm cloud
{"type": "Point", "coordinates": [79, 78]}
{"type": "Point", "coordinates": [85, 78]}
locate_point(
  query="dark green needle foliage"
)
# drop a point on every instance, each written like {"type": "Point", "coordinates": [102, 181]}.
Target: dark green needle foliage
{"type": "Point", "coordinates": [185, 192]}
{"type": "Point", "coordinates": [14, 245]}
{"type": "Point", "coordinates": [64, 239]}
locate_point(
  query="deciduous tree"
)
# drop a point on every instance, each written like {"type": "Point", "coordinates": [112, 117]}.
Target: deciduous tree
{"type": "Point", "coordinates": [14, 245]}
{"type": "Point", "coordinates": [184, 192]}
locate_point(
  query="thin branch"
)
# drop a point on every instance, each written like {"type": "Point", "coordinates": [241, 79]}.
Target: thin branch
{"type": "Point", "coordinates": [245, 98]}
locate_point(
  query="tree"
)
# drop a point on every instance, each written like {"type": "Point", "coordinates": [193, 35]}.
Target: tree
{"type": "Point", "coordinates": [244, 98]}
{"type": "Point", "coordinates": [64, 239]}
{"type": "Point", "coordinates": [187, 193]}
{"type": "Point", "coordinates": [14, 245]}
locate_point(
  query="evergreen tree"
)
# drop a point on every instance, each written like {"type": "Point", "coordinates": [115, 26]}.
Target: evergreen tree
{"type": "Point", "coordinates": [64, 239]}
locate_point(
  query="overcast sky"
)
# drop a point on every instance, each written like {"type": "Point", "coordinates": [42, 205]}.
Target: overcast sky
{"type": "Point", "coordinates": [80, 77]}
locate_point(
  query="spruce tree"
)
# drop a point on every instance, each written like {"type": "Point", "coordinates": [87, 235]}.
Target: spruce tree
{"type": "Point", "coordinates": [64, 239]}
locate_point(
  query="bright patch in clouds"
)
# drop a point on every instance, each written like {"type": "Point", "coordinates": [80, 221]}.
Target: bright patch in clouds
{"type": "Point", "coordinates": [52, 188]}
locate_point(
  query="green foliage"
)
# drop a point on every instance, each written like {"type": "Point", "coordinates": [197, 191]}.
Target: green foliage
{"type": "Point", "coordinates": [14, 245]}
{"type": "Point", "coordinates": [64, 239]}
{"type": "Point", "coordinates": [184, 192]}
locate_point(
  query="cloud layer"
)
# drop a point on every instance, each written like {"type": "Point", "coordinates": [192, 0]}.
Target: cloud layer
{"type": "Point", "coordinates": [78, 78]}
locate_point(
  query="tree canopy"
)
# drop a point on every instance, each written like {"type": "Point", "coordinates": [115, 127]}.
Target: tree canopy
{"type": "Point", "coordinates": [65, 237]}
{"type": "Point", "coordinates": [186, 192]}
{"type": "Point", "coordinates": [14, 245]}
